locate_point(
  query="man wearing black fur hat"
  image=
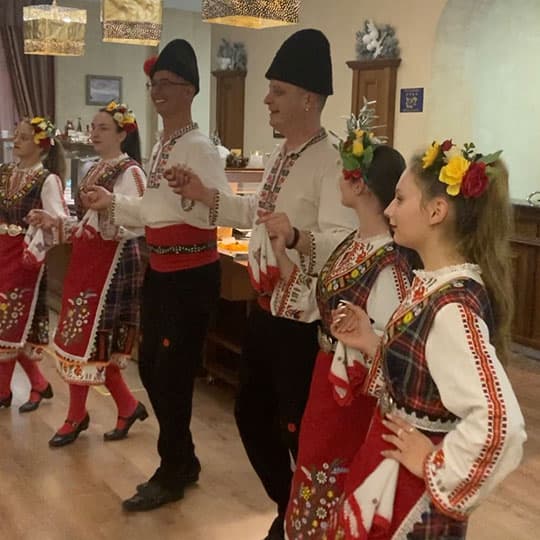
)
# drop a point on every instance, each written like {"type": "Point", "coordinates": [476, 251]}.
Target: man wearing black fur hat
{"type": "Point", "coordinates": [301, 181]}
{"type": "Point", "coordinates": [181, 286]}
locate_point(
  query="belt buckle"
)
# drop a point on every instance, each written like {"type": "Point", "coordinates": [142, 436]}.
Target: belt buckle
{"type": "Point", "coordinates": [386, 404]}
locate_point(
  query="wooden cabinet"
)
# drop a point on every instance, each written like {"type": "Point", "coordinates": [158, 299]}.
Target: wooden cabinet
{"type": "Point", "coordinates": [526, 276]}
{"type": "Point", "coordinates": [375, 80]}
{"type": "Point", "coordinates": [228, 327]}
{"type": "Point", "coordinates": [230, 88]}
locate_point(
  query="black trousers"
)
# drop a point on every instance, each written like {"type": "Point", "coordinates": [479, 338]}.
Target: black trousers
{"type": "Point", "coordinates": [176, 309]}
{"type": "Point", "coordinates": [275, 375]}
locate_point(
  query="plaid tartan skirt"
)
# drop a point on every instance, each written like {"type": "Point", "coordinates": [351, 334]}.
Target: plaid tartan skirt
{"type": "Point", "coordinates": [123, 297]}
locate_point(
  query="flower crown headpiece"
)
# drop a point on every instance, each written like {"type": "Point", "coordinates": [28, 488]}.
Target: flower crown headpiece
{"type": "Point", "coordinates": [464, 171]}
{"type": "Point", "coordinates": [124, 117]}
{"type": "Point", "coordinates": [44, 132]}
{"type": "Point", "coordinates": [357, 149]}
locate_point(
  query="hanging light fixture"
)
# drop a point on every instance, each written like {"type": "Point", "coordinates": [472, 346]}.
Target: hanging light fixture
{"type": "Point", "coordinates": [251, 13]}
{"type": "Point", "coordinates": [54, 30]}
{"type": "Point", "coordinates": [135, 22]}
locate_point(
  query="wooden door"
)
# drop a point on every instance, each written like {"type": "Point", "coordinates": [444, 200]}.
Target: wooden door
{"type": "Point", "coordinates": [230, 90]}
{"type": "Point", "coordinates": [376, 81]}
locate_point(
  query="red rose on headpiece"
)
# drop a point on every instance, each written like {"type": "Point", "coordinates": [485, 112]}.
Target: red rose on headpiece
{"type": "Point", "coordinates": [446, 145]}
{"type": "Point", "coordinates": [355, 174]}
{"type": "Point", "coordinates": [128, 128]}
{"type": "Point", "coordinates": [149, 65]}
{"type": "Point", "coordinates": [475, 181]}
{"type": "Point", "coordinates": [45, 143]}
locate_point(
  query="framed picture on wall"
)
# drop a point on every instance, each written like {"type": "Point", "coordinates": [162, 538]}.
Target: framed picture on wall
{"type": "Point", "coordinates": [102, 89]}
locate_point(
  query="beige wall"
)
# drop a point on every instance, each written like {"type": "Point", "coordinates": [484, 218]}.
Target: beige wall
{"type": "Point", "coordinates": [416, 23]}
{"type": "Point", "coordinates": [127, 61]}
{"type": "Point", "coordinates": [486, 83]}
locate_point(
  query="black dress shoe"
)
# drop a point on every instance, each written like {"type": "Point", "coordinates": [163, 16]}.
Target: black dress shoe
{"type": "Point", "coordinates": [30, 406]}
{"type": "Point", "coordinates": [116, 434]}
{"type": "Point", "coordinates": [153, 496]}
{"type": "Point", "coordinates": [6, 402]}
{"type": "Point", "coordinates": [191, 476]}
{"type": "Point", "coordinates": [68, 438]}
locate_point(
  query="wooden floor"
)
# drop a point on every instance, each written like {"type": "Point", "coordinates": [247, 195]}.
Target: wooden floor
{"type": "Point", "coordinates": [74, 493]}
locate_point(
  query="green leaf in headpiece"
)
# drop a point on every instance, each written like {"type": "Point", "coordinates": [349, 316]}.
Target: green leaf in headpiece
{"type": "Point", "coordinates": [490, 158]}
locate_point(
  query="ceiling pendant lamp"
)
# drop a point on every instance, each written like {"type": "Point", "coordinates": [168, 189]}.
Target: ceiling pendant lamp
{"type": "Point", "coordinates": [54, 30]}
{"type": "Point", "coordinates": [251, 13]}
{"type": "Point", "coordinates": [134, 22]}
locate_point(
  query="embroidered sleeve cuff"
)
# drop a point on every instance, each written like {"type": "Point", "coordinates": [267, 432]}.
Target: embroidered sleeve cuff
{"type": "Point", "coordinates": [440, 494]}
{"type": "Point", "coordinates": [214, 210]}
{"type": "Point", "coordinates": [65, 229]}
{"type": "Point", "coordinates": [309, 261]}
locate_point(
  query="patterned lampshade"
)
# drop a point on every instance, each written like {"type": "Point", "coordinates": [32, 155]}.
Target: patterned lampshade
{"type": "Point", "coordinates": [251, 13]}
{"type": "Point", "coordinates": [135, 22]}
{"type": "Point", "coordinates": [54, 30]}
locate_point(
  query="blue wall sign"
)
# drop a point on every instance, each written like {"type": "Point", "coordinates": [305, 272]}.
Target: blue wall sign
{"type": "Point", "coordinates": [411, 100]}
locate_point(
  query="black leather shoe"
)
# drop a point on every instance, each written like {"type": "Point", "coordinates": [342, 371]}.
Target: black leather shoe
{"type": "Point", "coordinates": [116, 434]}
{"type": "Point", "coordinates": [30, 406]}
{"type": "Point", "coordinates": [153, 496]}
{"type": "Point", "coordinates": [6, 402]}
{"type": "Point", "coordinates": [190, 477]}
{"type": "Point", "coordinates": [68, 438]}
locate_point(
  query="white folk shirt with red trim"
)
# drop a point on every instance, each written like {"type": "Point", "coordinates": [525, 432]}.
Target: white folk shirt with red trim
{"type": "Point", "coordinates": [310, 196]}
{"type": "Point", "coordinates": [160, 206]}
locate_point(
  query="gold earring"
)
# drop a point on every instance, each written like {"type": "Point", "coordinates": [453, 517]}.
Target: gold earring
{"type": "Point", "coordinates": [306, 108]}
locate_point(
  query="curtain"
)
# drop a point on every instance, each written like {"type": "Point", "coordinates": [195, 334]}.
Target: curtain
{"type": "Point", "coordinates": [8, 115]}
{"type": "Point", "coordinates": [32, 76]}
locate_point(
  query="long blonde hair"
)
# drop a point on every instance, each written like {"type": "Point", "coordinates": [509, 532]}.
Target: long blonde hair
{"type": "Point", "coordinates": [482, 229]}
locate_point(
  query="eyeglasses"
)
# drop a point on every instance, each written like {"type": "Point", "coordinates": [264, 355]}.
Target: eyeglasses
{"type": "Point", "coordinates": [164, 83]}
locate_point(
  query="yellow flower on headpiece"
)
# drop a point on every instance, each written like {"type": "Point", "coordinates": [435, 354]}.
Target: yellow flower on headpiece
{"type": "Point", "coordinates": [111, 106]}
{"type": "Point", "coordinates": [129, 119]}
{"type": "Point", "coordinates": [430, 155]}
{"type": "Point", "coordinates": [40, 136]}
{"type": "Point", "coordinates": [357, 148]}
{"type": "Point", "coordinates": [453, 173]}
{"type": "Point", "coordinates": [359, 133]}
{"type": "Point", "coordinates": [37, 120]}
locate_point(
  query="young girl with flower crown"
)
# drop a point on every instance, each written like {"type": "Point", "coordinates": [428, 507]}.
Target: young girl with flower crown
{"type": "Point", "coordinates": [448, 427]}
{"type": "Point", "coordinates": [35, 181]}
{"type": "Point", "coordinates": [99, 318]}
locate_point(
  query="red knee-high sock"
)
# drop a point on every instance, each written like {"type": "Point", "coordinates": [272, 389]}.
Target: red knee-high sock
{"type": "Point", "coordinates": [6, 374]}
{"type": "Point", "coordinates": [38, 382]}
{"type": "Point", "coordinates": [121, 394]}
{"type": "Point", "coordinates": [77, 407]}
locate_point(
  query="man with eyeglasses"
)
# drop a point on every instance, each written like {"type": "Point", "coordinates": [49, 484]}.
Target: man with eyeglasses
{"type": "Point", "coordinates": [182, 283]}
